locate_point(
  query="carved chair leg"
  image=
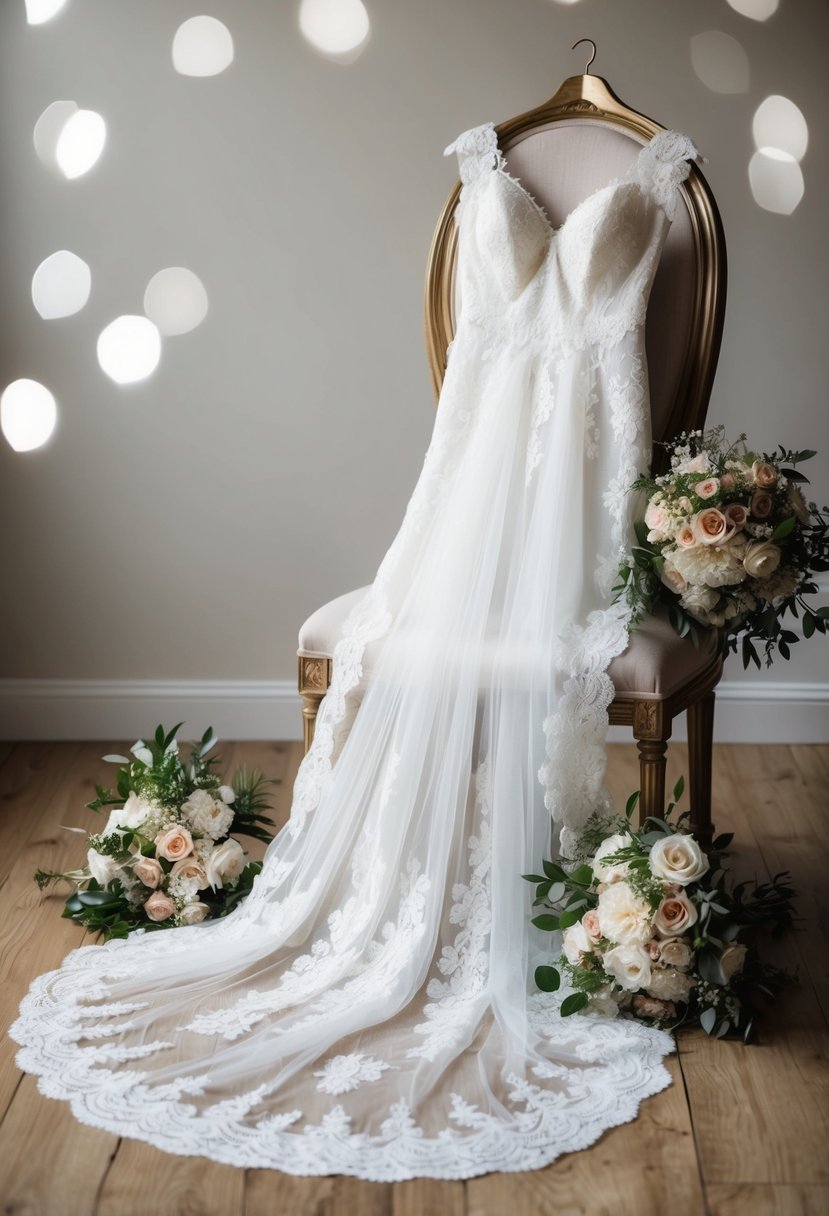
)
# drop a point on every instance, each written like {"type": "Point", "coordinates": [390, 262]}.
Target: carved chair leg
{"type": "Point", "coordinates": [700, 745]}
{"type": "Point", "coordinates": [314, 678]}
{"type": "Point", "coordinates": [651, 728]}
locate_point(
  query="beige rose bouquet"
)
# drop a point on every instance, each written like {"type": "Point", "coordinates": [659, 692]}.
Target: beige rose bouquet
{"type": "Point", "coordinates": [728, 540]}
{"type": "Point", "coordinates": [652, 928]}
{"type": "Point", "coordinates": [165, 856]}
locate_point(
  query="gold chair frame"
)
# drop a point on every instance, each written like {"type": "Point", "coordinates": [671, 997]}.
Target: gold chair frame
{"type": "Point", "coordinates": [651, 720]}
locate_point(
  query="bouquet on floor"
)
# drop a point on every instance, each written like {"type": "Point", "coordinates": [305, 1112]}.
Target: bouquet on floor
{"type": "Point", "coordinates": [652, 927]}
{"type": "Point", "coordinates": [166, 856]}
{"type": "Point", "coordinates": [729, 540]}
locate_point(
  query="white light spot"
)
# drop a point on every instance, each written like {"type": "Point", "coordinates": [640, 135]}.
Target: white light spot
{"type": "Point", "coordinates": [61, 285]}
{"type": "Point", "coordinates": [757, 10]}
{"type": "Point", "coordinates": [778, 123]}
{"type": "Point", "coordinates": [175, 300]}
{"type": "Point", "coordinates": [80, 143]}
{"type": "Point", "coordinates": [129, 349]}
{"type": "Point", "coordinates": [720, 62]}
{"type": "Point", "coordinates": [776, 180]}
{"type": "Point", "coordinates": [202, 46]}
{"type": "Point", "coordinates": [48, 129]}
{"type": "Point", "coordinates": [566, 1]}
{"type": "Point", "coordinates": [335, 27]}
{"type": "Point", "coordinates": [28, 414]}
{"type": "Point", "coordinates": [38, 11]}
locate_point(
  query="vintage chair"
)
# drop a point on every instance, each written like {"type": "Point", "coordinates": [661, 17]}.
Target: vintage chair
{"type": "Point", "coordinates": [562, 151]}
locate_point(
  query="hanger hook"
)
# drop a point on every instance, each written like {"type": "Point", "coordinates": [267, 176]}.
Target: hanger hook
{"type": "Point", "coordinates": [592, 57]}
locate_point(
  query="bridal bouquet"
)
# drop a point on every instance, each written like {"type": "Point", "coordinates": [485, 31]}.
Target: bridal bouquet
{"type": "Point", "coordinates": [652, 927]}
{"type": "Point", "coordinates": [729, 540]}
{"type": "Point", "coordinates": [165, 856]}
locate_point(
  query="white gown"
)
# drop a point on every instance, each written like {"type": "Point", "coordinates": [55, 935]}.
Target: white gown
{"type": "Point", "coordinates": [370, 1009]}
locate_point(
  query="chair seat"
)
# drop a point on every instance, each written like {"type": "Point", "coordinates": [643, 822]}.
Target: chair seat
{"type": "Point", "coordinates": [656, 664]}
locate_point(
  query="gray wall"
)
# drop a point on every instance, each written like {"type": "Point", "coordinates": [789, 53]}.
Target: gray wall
{"type": "Point", "coordinates": [182, 528]}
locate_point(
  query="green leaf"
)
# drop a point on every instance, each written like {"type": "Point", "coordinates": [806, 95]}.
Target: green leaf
{"type": "Point", "coordinates": [568, 917]}
{"type": "Point", "coordinates": [679, 789]}
{"type": "Point", "coordinates": [723, 840]}
{"type": "Point", "coordinates": [783, 528]}
{"type": "Point", "coordinates": [115, 760]}
{"type": "Point", "coordinates": [809, 620]}
{"type": "Point", "coordinates": [533, 877]}
{"type": "Point", "coordinates": [556, 892]}
{"type": "Point", "coordinates": [582, 875]}
{"type": "Point", "coordinates": [707, 1019]}
{"type": "Point", "coordinates": [723, 1028]}
{"type": "Point", "coordinates": [553, 871]}
{"type": "Point", "coordinates": [630, 805]}
{"type": "Point", "coordinates": [98, 899]}
{"type": "Point", "coordinates": [573, 1003]}
{"type": "Point", "coordinates": [547, 923]}
{"type": "Point", "coordinates": [547, 979]}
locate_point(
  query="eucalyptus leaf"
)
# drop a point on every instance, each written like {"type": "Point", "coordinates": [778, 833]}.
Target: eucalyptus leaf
{"type": "Point", "coordinates": [547, 979]}
{"type": "Point", "coordinates": [707, 1019]}
{"type": "Point", "coordinates": [573, 1003]}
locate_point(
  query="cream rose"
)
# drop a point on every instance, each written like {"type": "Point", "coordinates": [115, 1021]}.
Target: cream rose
{"type": "Point", "coordinates": [575, 943]}
{"type": "Point", "coordinates": [732, 959]}
{"type": "Point", "coordinates": [624, 916]}
{"type": "Point", "coordinates": [761, 559]}
{"type": "Point", "coordinates": [765, 475]}
{"type": "Point", "coordinates": [657, 521]}
{"type": "Point", "coordinates": [711, 527]}
{"type": "Point", "coordinates": [592, 928]}
{"type": "Point", "coordinates": [761, 504]}
{"type": "Point", "coordinates": [674, 915]}
{"type": "Point", "coordinates": [191, 867]}
{"type": "Point", "coordinates": [707, 488]}
{"type": "Point", "coordinates": [668, 984]}
{"type": "Point", "coordinates": [174, 843]}
{"type": "Point", "coordinates": [159, 906]}
{"type": "Point", "coordinates": [224, 863]}
{"type": "Point", "coordinates": [148, 871]}
{"type": "Point", "coordinates": [617, 869]}
{"type": "Point", "coordinates": [678, 858]}
{"type": "Point", "coordinates": [685, 537]}
{"type": "Point", "coordinates": [674, 952]}
{"type": "Point", "coordinates": [630, 966]}
{"type": "Point", "coordinates": [193, 913]}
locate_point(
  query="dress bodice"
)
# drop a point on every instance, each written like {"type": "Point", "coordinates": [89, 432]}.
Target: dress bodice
{"type": "Point", "coordinates": [587, 279]}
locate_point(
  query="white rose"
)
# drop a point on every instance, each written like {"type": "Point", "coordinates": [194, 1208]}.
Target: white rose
{"type": "Point", "coordinates": [192, 913]}
{"type": "Point", "coordinates": [732, 959]}
{"type": "Point", "coordinates": [668, 984]}
{"type": "Point", "coordinates": [629, 965]}
{"type": "Point", "coordinates": [674, 952]}
{"type": "Point", "coordinates": [102, 868]}
{"type": "Point", "coordinates": [623, 915]}
{"type": "Point", "coordinates": [575, 943]}
{"type": "Point", "coordinates": [616, 869]}
{"type": "Point", "coordinates": [678, 858]}
{"type": "Point", "coordinates": [224, 863]}
{"type": "Point", "coordinates": [761, 559]}
{"type": "Point", "coordinates": [226, 793]}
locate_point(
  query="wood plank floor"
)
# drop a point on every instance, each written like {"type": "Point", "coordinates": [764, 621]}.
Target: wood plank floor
{"type": "Point", "coordinates": [743, 1131]}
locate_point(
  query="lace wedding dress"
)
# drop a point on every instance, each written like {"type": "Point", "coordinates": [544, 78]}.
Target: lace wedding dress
{"type": "Point", "coordinates": [370, 1009]}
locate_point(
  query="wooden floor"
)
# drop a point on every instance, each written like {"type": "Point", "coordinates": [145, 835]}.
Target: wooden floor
{"type": "Point", "coordinates": [743, 1131]}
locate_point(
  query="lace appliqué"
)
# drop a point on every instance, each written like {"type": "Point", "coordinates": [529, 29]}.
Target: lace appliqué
{"type": "Point", "coordinates": [342, 1074]}
{"type": "Point", "coordinates": [662, 166]}
{"type": "Point", "coordinates": [477, 152]}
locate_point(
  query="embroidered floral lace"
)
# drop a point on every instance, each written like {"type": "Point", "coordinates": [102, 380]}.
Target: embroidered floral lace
{"type": "Point", "coordinates": [369, 1010]}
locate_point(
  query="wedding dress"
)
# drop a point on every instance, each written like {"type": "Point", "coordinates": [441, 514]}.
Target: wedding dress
{"type": "Point", "coordinates": [370, 1009]}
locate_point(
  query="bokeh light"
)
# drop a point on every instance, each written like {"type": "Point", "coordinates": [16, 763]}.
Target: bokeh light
{"type": "Point", "coordinates": [202, 46]}
{"type": "Point", "coordinates": [175, 300]}
{"type": "Point", "coordinates": [779, 123]}
{"type": "Point", "coordinates": [48, 130]}
{"type": "Point", "coordinates": [757, 10]}
{"type": "Point", "coordinates": [69, 139]}
{"type": "Point", "coordinates": [776, 180]}
{"type": "Point", "coordinates": [28, 413]}
{"type": "Point", "coordinates": [38, 11]}
{"type": "Point", "coordinates": [129, 349]}
{"type": "Point", "coordinates": [338, 28]}
{"type": "Point", "coordinates": [720, 62]}
{"type": "Point", "coordinates": [61, 285]}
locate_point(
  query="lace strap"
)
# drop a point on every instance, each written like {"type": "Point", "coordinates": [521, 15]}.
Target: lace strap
{"type": "Point", "coordinates": [477, 151]}
{"type": "Point", "coordinates": [663, 165]}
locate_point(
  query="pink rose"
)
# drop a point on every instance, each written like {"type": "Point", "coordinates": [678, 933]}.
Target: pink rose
{"type": "Point", "coordinates": [174, 843]}
{"type": "Point", "coordinates": [711, 527]}
{"type": "Point", "coordinates": [190, 867]}
{"type": "Point", "coordinates": [727, 481]}
{"type": "Point", "coordinates": [590, 920]}
{"type": "Point", "coordinates": [761, 504]}
{"type": "Point", "coordinates": [736, 514]}
{"type": "Point", "coordinates": [707, 488]}
{"type": "Point", "coordinates": [653, 948]}
{"type": "Point", "coordinates": [148, 871]}
{"type": "Point", "coordinates": [674, 915]}
{"type": "Point", "coordinates": [656, 520]}
{"type": "Point", "coordinates": [650, 1007]}
{"type": "Point", "coordinates": [159, 906]}
{"type": "Point", "coordinates": [765, 475]}
{"type": "Point", "coordinates": [685, 537]}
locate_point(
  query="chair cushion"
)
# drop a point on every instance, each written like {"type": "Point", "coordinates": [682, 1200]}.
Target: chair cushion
{"type": "Point", "coordinates": [655, 665]}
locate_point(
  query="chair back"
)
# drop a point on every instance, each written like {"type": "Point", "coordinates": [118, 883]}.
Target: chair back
{"type": "Point", "coordinates": [562, 152]}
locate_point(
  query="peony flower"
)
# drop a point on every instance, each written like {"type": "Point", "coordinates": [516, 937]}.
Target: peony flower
{"type": "Point", "coordinates": [174, 843]}
{"type": "Point", "coordinates": [103, 868]}
{"type": "Point", "coordinates": [224, 863]}
{"type": "Point", "coordinates": [592, 928]}
{"type": "Point", "coordinates": [707, 488]}
{"type": "Point", "coordinates": [624, 916]}
{"type": "Point", "coordinates": [648, 1007]}
{"type": "Point", "coordinates": [193, 913]}
{"type": "Point", "coordinates": [208, 816]}
{"type": "Point", "coordinates": [575, 943]}
{"type": "Point", "coordinates": [148, 871]}
{"type": "Point", "coordinates": [159, 906]}
{"type": "Point", "coordinates": [678, 858]}
{"type": "Point", "coordinates": [712, 565]}
{"type": "Point", "coordinates": [191, 867]}
{"type": "Point", "coordinates": [617, 869]}
{"type": "Point", "coordinates": [668, 984]}
{"type": "Point", "coordinates": [629, 965]}
{"type": "Point", "coordinates": [761, 559]}
{"type": "Point", "coordinates": [761, 504]}
{"type": "Point", "coordinates": [674, 952]}
{"type": "Point", "coordinates": [736, 514]}
{"type": "Point", "coordinates": [765, 475]}
{"type": "Point", "coordinates": [732, 959]}
{"type": "Point", "coordinates": [674, 915]}
{"type": "Point", "coordinates": [798, 503]}
{"type": "Point", "coordinates": [711, 527]}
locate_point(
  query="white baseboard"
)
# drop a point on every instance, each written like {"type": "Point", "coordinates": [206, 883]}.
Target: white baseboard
{"type": "Point", "coordinates": [763, 711]}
